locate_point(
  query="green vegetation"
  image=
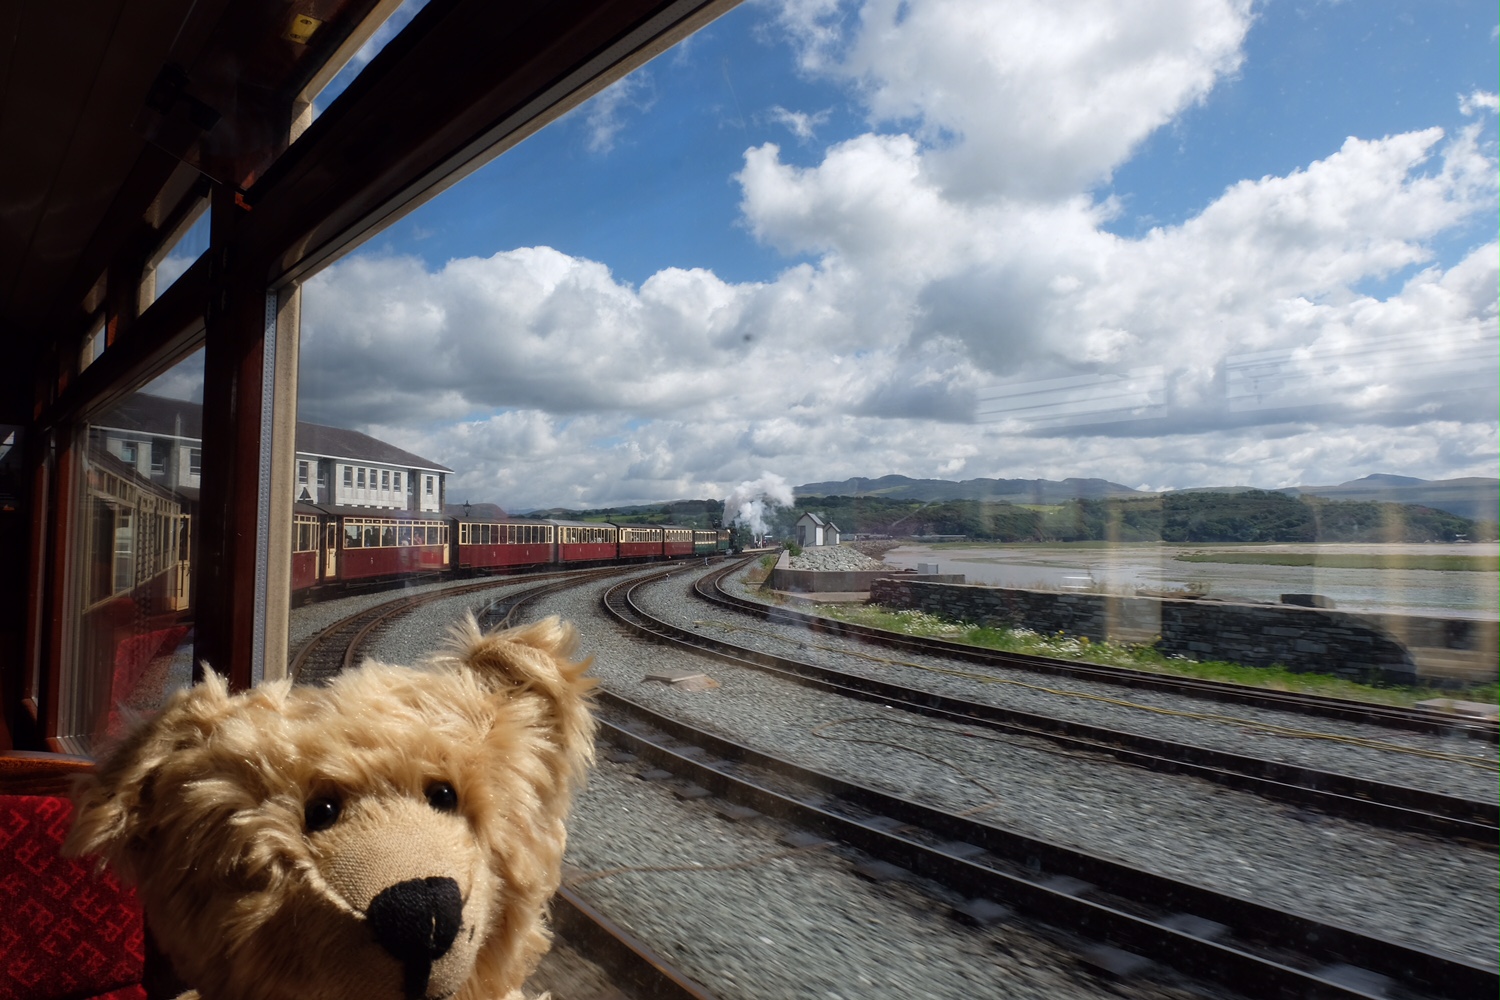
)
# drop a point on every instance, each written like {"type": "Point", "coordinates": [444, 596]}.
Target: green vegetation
{"type": "Point", "coordinates": [1349, 560]}
{"type": "Point", "coordinates": [1247, 516]}
{"type": "Point", "coordinates": [1138, 656]}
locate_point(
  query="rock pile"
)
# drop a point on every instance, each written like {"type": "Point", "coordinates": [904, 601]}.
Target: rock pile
{"type": "Point", "coordinates": [835, 558]}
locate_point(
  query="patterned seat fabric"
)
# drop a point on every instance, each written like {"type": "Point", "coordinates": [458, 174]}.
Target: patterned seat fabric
{"type": "Point", "coordinates": [67, 933]}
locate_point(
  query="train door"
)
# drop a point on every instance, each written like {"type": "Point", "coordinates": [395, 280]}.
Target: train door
{"type": "Point", "coordinates": [331, 550]}
{"type": "Point", "coordinates": [180, 580]}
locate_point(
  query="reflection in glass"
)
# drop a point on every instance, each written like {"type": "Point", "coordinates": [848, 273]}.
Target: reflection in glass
{"type": "Point", "coordinates": [131, 636]}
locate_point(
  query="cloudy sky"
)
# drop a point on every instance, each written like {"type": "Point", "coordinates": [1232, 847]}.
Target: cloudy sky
{"type": "Point", "coordinates": [1170, 243]}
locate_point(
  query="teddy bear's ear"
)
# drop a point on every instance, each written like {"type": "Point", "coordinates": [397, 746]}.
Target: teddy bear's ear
{"type": "Point", "coordinates": [537, 659]}
{"type": "Point", "coordinates": [114, 803]}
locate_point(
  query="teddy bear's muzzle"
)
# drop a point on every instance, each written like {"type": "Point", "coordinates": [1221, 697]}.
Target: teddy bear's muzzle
{"type": "Point", "coordinates": [416, 921]}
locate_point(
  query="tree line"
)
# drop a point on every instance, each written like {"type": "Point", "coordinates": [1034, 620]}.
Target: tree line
{"type": "Point", "coordinates": [1248, 516]}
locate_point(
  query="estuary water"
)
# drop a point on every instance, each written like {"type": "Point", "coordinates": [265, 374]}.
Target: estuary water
{"type": "Point", "coordinates": [1121, 569]}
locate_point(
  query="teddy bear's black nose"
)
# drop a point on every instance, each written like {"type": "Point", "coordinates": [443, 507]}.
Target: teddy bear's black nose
{"type": "Point", "coordinates": [416, 921]}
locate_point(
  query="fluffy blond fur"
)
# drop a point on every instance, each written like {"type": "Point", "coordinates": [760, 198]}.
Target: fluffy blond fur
{"type": "Point", "coordinates": [203, 807]}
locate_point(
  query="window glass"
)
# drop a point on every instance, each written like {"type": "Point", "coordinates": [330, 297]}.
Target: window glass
{"type": "Point", "coordinates": [361, 482]}
{"type": "Point", "coordinates": [353, 535]}
{"type": "Point", "coordinates": [178, 254]}
{"type": "Point", "coordinates": [130, 637]}
{"type": "Point", "coordinates": [348, 477]}
{"type": "Point", "coordinates": [1190, 311]}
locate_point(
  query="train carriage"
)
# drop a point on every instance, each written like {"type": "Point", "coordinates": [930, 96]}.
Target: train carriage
{"type": "Point", "coordinates": [586, 541]}
{"type": "Point", "coordinates": [641, 541]}
{"type": "Point", "coordinates": [678, 542]}
{"type": "Point", "coordinates": [705, 542]}
{"type": "Point", "coordinates": [376, 544]}
{"type": "Point", "coordinates": [497, 544]}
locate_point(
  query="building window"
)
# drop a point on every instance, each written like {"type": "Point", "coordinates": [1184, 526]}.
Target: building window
{"type": "Point", "coordinates": [429, 486]}
{"type": "Point", "coordinates": [128, 452]}
{"type": "Point", "coordinates": [159, 458]}
{"type": "Point", "coordinates": [348, 477]}
{"type": "Point", "coordinates": [195, 461]}
{"type": "Point", "coordinates": [322, 476]}
{"type": "Point", "coordinates": [385, 480]}
{"type": "Point", "coordinates": [361, 478]}
{"type": "Point", "coordinates": [302, 473]}
{"type": "Point", "coordinates": [396, 481]}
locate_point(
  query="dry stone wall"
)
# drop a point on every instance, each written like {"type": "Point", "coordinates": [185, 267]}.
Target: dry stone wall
{"type": "Point", "coordinates": [1302, 639]}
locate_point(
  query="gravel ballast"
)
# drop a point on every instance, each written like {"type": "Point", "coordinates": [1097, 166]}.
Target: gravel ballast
{"type": "Point", "coordinates": [1409, 887]}
{"type": "Point", "coordinates": [1404, 886]}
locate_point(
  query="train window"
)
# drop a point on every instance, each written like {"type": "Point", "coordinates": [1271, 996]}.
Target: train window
{"type": "Point", "coordinates": [353, 535]}
{"type": "Point", "coordinates": [128, 635]}
{"type": "Point", "coordinates": [93, 346]}
{"type": "Point", "coordinates": [372, 536]}
{"type": "Point", "coordinates": [388, 535]}
{"type": "Point", "coordinates": [403, 535]}
{"type": "Point", "coordinates": [181, 247]}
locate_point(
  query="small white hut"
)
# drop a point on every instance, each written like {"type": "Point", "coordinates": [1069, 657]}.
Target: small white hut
{"type": "Point", "coordinates": [814, 530]}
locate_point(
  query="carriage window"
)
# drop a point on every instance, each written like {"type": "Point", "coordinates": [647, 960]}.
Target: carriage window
{"type": "Point", "coordinates": [403, 535]}
{"type": "Point", "coordinates": [353, 535]}
{"type": "Point", "coordinates": [388, 535]}
{"type": "Point", "coordinates": [372, 536]}
{"type": "Point", "coordinates": [127, 642]}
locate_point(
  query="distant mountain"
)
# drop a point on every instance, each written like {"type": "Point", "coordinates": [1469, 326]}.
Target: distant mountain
{"type": "Point", "coordinates": [1474, 497]}
{"type": "Point", "coordinates": [1038, 491]}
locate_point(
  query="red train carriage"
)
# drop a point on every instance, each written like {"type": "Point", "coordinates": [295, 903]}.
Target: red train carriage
{"type": "Point", "coordinates": [583, 541]}
{"type": "Point", "coordinates": [307, 547]}
{"type": "Point", "coordinates": [640, 541]}
{"type": "Point", "coordinates": [378, 544]}
{"type": "Point", "coordinates": [678, 542]}
{"type": "Point", "coordinates": [507, 543]}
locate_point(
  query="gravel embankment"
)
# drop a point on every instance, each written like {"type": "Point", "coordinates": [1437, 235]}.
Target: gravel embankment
{"type": "Point", "coordinates": [1401, 886]}
{"type": "Point", "coordinates": [1326, 744]}
{"type": "Point", "coordinates": [879, 942]}
{"type": "Point", "coordinates": [799, 927]}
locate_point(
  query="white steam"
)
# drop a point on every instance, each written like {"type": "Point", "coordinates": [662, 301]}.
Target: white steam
{"type": "Point", "coordinates": [750, 502]}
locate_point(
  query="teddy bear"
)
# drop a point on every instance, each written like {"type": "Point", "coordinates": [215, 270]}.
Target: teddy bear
{"type": "Point", "coordinates": [396, 834]}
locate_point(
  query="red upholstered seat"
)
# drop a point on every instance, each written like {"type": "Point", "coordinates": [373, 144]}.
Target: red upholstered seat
{"type": "Point", "coordinates": [66, 933]}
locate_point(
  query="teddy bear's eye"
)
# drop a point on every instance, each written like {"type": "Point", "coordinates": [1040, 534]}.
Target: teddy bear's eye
{"type": "Point", "coordinates": [442, 797]}
{"type": "Point", "coordinates": [321, 813]}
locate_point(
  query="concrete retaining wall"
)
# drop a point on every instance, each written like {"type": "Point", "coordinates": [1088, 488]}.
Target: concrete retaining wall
{"type": "Point", "coordinates": [1359, 647]}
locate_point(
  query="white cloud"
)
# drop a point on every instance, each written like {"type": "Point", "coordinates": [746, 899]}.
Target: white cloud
{"type": "Point", "coordinates": [1478, 101]}
{"type": "Point", "coordinates": [801, 124]}
{"type": "Point", "coordinates": [1029, 98]}
{"type": "Point", "coordinates": [604, 114]}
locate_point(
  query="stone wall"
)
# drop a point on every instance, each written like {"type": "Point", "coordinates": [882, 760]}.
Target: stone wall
{"type": "Point", "coordinates": [1359, 647]}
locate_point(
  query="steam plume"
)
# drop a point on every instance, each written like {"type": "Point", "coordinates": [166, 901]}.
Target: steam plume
{"type": "Point", "coordinates": [751, 501]}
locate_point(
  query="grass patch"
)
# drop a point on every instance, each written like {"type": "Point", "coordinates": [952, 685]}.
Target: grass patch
{"type": "Point", "coordinates": [1349, 560]}
{"type": "Point", "coordinates": [1142, 657]}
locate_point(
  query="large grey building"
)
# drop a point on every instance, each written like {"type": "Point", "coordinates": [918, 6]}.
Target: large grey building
{"type": "Point", "coordinates": [161, 438]}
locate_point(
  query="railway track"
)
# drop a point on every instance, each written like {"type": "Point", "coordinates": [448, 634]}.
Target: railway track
{"type": "Point", "coordinates": [630, 964]}
{"type": "Point", "coordinates": [1393, 806]}
{"type": "Point", "coordinates": [337, 647]}
{"type": "Point", "coordinates": [710, 588]}
{"type": "Point", "coordinates": [1131, 915]}
{"type": "Point", "coordinates": [1228, 938]}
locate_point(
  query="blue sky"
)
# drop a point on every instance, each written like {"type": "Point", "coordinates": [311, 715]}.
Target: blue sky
{"type": "Point", "coordinates": [821, 239]}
